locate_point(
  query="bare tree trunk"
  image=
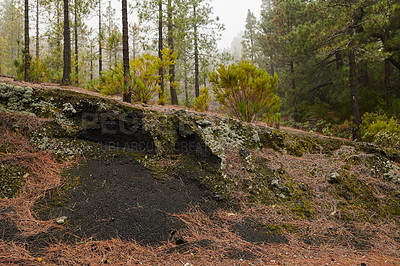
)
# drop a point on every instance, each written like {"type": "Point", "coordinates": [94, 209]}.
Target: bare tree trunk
{"type": "Point", "coordinates": [196, 55]}
{"type": "Point", "coordinates": [66, 79]}
{"type": "Point", "coordinates": [185, 73]}
{"type": "Point", "coordinates": [296, 114]}
{"type": "Point", "coordinates": [76, 44]}
{"type": "Point", "coordinates": [26, 50]}
{"type": "Point", "coordinates": [160, 46]}
{"type": "Point", "coordinates": [125, 52]}
{"type": "Point", "coordinates": [353, 88]}
{"type": "Point", "coordinates": [387, 86]}
{"type": "Point", "coordinates": [37, 30]}
{"type": "Point", "coordinates": [387, 78]}
{"type": "Point", "coordinates": [174, 97]}
{"type": "Point", "coordinates": [58, 42]}
{"type": "Point", "coordinates": [134, 42]}
{"type": "Point", "coordinates": [91, 62]}
{"type": "Point", "coordinates": [100, 42]}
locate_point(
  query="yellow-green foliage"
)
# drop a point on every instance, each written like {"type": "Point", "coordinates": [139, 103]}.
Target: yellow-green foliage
{"type": "Point", "coordinates": [39, 71]}
{"type": "Point", "coordinates": [245, 90]}
{"type": "Point", "coordinates": [201, 102]}
{"type": "Point", "coordinates": [144, 77]}
{"type": "Point", "coordinates": [162, 98]}
{"type": "Point", "coordinates": [112, 81]}
{"type": "Point", "coordinates": [380, 129]}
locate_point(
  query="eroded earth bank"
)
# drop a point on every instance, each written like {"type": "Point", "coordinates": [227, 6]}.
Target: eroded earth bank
{"type": "Point", "coordinates": [90, 180]}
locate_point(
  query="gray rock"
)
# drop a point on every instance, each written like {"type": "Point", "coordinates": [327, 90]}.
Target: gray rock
{"type": "Point", "coordinates": [392, 176]}
{"type": "Point", "coordinates": [275, 183]}
{"type": "Point", "coordinates": [203, 123]}
{"type": "Point", "coordinates": [61, 220]}
{"type": "Point", "coordinates": [334, 178]}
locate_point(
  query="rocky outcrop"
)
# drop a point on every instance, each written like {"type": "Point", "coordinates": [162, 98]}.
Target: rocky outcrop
{"type": "Point", "coordinates": [295, 179]}
{"type": "Point", "coordinates": [111, 122]}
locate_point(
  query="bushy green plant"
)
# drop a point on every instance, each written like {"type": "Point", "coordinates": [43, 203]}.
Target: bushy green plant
{"type": "Point", "coordinates": [380, 129]}
{"type": "Point", "coordinates": [39, 71]}
{"type": "Point", "coordinates": [162, 98]}
{"type": "Point", "coordinates": [112, 81]}
{"type": "Point", "coordinates": [344, 130]}
{"type": "Point", "coordinates": [144, 77]}
{"type": "Point", "coordinates": [245, 90]}
{"type": "Point", "coordinates": [201, 102]}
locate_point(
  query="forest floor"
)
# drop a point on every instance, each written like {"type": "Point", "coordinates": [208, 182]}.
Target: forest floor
{"type": "Point", "coordinates": [120, 212]}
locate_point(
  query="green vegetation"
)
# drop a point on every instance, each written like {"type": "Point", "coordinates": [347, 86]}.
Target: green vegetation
{"type": "Point", "coordinates": [381, 130]}
{"type": "Point", "coordinates": [144, 77]}
{"type": "Point", "coordinates": [335, 63]}
{"type": "Point", "coordinates": [246, 91]}
{"type": "Point", "coordinates": [201, 102]}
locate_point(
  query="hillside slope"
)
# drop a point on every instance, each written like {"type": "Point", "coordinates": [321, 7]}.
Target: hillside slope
{"type": "Point", "coordinates": [145, 184]}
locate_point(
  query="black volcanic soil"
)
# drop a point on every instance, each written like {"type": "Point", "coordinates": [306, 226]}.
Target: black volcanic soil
{"type": "Point", "coordinates": [118, 197]}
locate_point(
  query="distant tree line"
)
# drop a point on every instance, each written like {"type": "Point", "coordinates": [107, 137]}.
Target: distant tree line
{"type": "Point", "coordinates": [336, 60]}
{"type": "Point", "coordinates": [67, 50]}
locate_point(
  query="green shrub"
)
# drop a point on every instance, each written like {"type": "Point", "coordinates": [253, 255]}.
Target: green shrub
{"type": "Point", "coordinates": [245, 91]}
{"type": "Point", "coordinates": [201, 102]}
{"type": "Point", "coordinates": [344, 130]}
{"type": "Point", "coordinates": [112, 81]}
{"type": "Point", "coordinates": [144, 77]}
{"type": "Point", "coordinates": [162, 98]}
{"type": "Point", "coordinates": [380, 129]}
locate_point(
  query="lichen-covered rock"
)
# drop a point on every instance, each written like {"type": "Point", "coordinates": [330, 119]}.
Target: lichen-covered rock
{"type": "Point", "coordinates": [163, 130]}
{"type": "Point", "coordinates": [16, 98]}
{"type": "Point", "coordinates": [334, 178]}
{"type": "Point", "coordinates": [393, 173]}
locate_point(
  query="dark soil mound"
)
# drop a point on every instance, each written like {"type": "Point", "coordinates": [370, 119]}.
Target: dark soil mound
{"type": "Point", "coordinates": [258, 233]}
{"type": "Point", "coordinates": [7, 230]}
{"type": "Point", "coordinates": [118, 197]}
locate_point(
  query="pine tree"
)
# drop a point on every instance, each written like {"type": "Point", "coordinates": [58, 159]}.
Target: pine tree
{"type": "Point", "coordinates": [125, 50]}
{"type": "Point", "coordinates": [249, 37]}
{"type": "Point", "coordinates": [174, 97]}
{"type": "Point", "coordinates": [26, 49]}
{"type": "Point", "coordinates": [66, 79]}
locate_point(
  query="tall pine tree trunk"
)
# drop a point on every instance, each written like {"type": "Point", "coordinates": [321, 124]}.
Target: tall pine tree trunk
{"type": "Point", "coordinates": [100, 42]}
{"type": "Point", "coordinates": [91, 62]}
{"type": "Point", "coordinates": [387, 78]}
{"type": "Point", "coordinates": [196, 54]}
{"type": "Point", "coordinates": [295, 111]}
{"type": "Point", "coordinates": [387, 85]}
{"type": "Point", "coordinates": [37, 31]}
{"type": "Point", "coordinates": [160, 46]}
{"type": "Point", "coordinates": [125, 52]}
{"type": "Point", "coordinates": [186, 85]}
{"type": "Point", "coordinates": [134, 42]}
{"type": "Point", "coordinates": [174, 97]}
{"type": "Point", "coordinates": [26, 49]}
{"type": "Point", "coordinates": [76, 43]}
{"type": "Point", "coordinates": [66, 79]}
{"type": "Point", "coordinates": [353, 87]}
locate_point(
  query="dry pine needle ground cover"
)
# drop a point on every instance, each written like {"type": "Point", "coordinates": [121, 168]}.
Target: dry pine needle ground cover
{"type": "Point", "coordinates": [322, 227]}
